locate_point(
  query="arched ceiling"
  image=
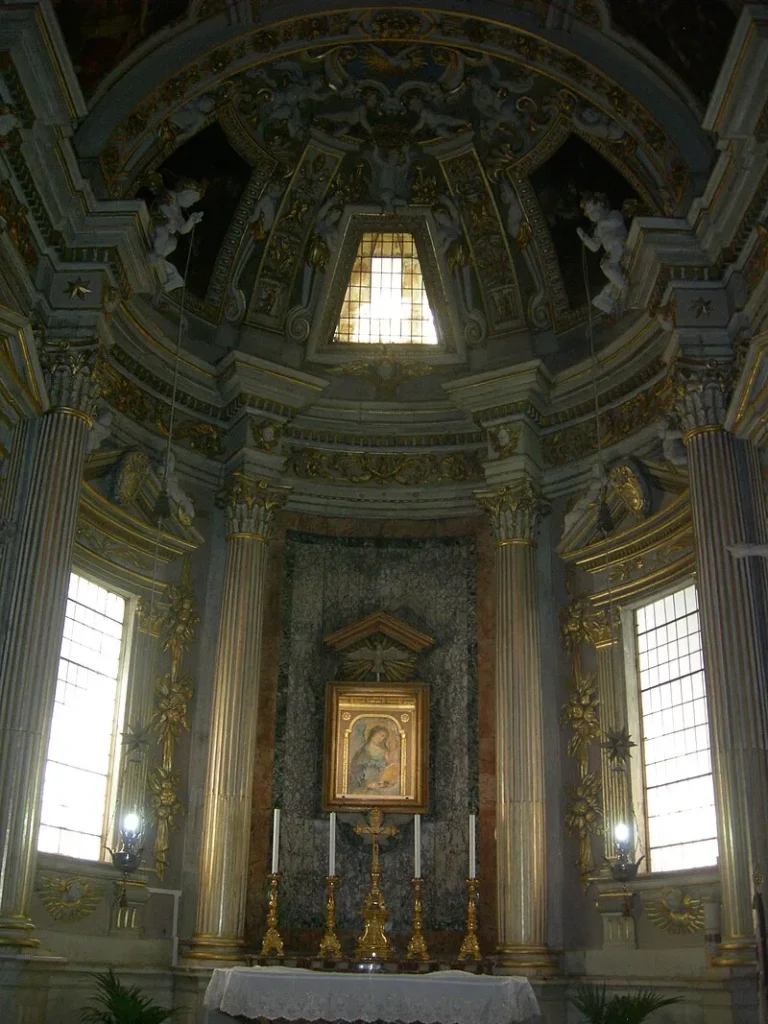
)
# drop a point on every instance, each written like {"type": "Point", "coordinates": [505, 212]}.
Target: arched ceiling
{"type": "Point", "coordinates": [503, 125]}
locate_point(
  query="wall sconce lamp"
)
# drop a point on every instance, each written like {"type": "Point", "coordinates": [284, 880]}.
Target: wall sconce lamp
{"type": "Point", "coordinates": [623, 866]}
{"type": "Point", "coordinates": [127, 856]}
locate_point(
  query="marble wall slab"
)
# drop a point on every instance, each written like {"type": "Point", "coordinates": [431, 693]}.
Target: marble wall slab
{"type": "Point", "coordinates": [328, 582]}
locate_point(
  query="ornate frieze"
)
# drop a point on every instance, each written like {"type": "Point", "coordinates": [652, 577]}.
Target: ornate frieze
{"type": "Point", "coordinates": [515, 511]}
{"type": "Point", "coordinates": [249, 504]}
{"type": "Point", "coordinates": [394, 468]}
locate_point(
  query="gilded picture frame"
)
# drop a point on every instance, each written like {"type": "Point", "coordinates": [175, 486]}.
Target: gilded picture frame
{"type": "Point", "coordinates": [376, 747]}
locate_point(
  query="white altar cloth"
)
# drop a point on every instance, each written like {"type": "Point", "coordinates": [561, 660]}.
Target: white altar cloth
{"type": "Point", "coordinates": [443, 997]}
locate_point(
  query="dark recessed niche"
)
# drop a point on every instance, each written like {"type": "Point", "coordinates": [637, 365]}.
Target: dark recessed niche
{"type": "Point", "coordinates": [559, 183]}
{"type": "Point", "coordinates": [206, 157]}
{"type": "Point", "coordinates": [690, 36]}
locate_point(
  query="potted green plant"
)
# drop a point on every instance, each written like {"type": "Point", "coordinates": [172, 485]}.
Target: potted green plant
{"type": "Point", "coordinates": [593, 1002]}
{"type": "Point", "coordinates": [116, 1003]}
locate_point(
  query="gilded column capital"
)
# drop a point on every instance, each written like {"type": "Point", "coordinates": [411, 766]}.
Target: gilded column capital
{"type": "Point", "coordinates": [515, 511]}
{"type": "Point", "coordinates": [72, 374]}
{"type": "Point", "coordinates": [583, 623]}
{"type": "Point", "coordinates": [249, 504]}
{"type": "Point", "coordinates": [702, 392]}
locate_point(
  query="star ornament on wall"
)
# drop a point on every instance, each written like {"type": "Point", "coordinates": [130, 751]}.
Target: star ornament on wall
{"type": "Point", "coordinates": [79, 288]}
{"type": "Point", "coordinates": [619, 745]}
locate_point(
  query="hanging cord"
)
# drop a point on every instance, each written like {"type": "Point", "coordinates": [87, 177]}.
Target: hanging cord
{"type": "Point", "coordinates": [159, 506]}
{"type": "Point", "coordinates": [604, 518]}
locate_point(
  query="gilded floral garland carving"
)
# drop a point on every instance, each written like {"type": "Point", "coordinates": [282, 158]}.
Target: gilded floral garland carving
{"type": "Point", "coordinates": [169, 718]}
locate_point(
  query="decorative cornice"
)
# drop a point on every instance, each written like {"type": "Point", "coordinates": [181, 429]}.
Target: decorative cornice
{"type": "Point", "coordinates": [386, 468]}
{"type": "Point", "coordinates": [249, 505]}
{"type": "Point", "coordinates": [515, 512]}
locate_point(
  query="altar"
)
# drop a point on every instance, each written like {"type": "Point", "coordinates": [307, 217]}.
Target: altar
{"type": "Point", "coordinates": [296, 994]}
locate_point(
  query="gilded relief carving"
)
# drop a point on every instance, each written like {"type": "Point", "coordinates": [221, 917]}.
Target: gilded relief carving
{"type": "Point", "coordinates": [397, 468]}
{"type": "Point", "coordinates": [676, 912]}
{"type": "Point", "coordinates": [174, 690]}
{"type": "Point", "coordinates": [68, 898]}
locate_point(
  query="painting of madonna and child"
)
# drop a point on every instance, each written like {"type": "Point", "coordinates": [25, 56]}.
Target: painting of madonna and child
{"type": "Point", "coordinates": [376, 747]}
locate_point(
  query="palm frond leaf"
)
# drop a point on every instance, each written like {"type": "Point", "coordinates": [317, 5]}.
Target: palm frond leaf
{"type": "Point", "coordinates": [117, 1003]}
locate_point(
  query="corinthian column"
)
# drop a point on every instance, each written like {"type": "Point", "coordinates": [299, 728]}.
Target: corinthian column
{"type": "Point", "coordinates": [220, 926]}
{"type": "Point", "coordinates": [36, 605]}
{"type": "Point", "coordinates": [727, 506]}
{"type": "Point", "coordinates": [521, 888]}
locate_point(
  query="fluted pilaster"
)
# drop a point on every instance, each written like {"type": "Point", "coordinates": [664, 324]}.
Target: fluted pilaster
{"type": "Point", "coordinates": [727, 507]}
{"type": "Point", "coordinates": [220, 927]}
{"type": "Point", "coordinates": [614, 749]}
{"type": "Point", "coordinates": [36, 607]}
{"type": "Point", "coordinates": [515, 514]}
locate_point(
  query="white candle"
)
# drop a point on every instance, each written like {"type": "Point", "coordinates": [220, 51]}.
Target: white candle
{"type": "Point", "coordinates": [332, 845]}
{"type": "Point", "coordinates": [472, 857]}
{"type": "Point", "coordinates": [417, 846]}
{"type": "Point", "coordinates": [275, 839]}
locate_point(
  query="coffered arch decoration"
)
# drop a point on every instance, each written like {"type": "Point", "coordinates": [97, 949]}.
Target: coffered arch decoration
{"type": "Point", "coordinates": [469, 119]}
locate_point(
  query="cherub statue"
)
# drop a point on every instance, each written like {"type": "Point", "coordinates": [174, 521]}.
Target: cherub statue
{"type": "Point", "coordinates": [514, 209]}
{"type": "Point", "coordinates": [390, 184]}
{"type": "Point", "coordinates": [448, 220]}
{"type": "Point", "coordinates": [169, 478]}
{"type": "Point", "coordinates": [190, 118]}
{"type": "Point", "coordinates": [169, 222]}
{"type": "Point", "coordinates": [370, 102]}
{"type": "Point", "coordinates": [264, 212]}
{"type": "Point", "coordinates": [610, 233]}
{"type": "Point", "coordinates": [435, 121]}
{"type": "Point", "coordinates": [101, 428]}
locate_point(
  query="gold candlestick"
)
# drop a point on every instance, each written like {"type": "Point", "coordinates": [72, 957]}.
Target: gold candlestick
{"type": "Point", "coordinates": [470, 947]}
{"type": "Point", "coordinates": [330, 947]}
{"type": "Point", "coordinates": [272, 944]}
{"type": "Point", "coordinates": [417, 947]}
{"type": "Point", "coordinates": [373, 944]}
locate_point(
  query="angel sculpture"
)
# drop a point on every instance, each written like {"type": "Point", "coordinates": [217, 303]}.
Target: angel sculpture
{"type": "Point", "coordinates": [390, 170]}
{"type": "Point", "coordinates": [170, 222]}
{"type": "Point", "coordinates": [610, 233]}
{"type": "Point", "coordinates": [264, 212]}
{"type": "Point", "coordinates": [345, 120]}
{"type": "Point", "coordinates": [435, 121]}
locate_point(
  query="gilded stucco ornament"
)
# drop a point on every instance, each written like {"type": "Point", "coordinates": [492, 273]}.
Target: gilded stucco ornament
{"type": "Point", "coordinates": [676, 912]}
{"type": "Point", "coordinates": [581, 714]}
{"type": "Point", "coordinates": [385, 373]}
{"type": "Point", "coordinates": [398, 468]}
{"type": "Point", "coordinates": [503, 440]}
{"type": "Point", "coordinates": [584, 813]}
{"type": "Point", "coordinates": [584, 623]}
{"type": "Point", "coordinates": [378, 657]}
{"type": "Point", "coordinates": [173, 692]}
{"type": "Point", "coordinates": [68, 898]}
{"type": "Point", "coordinates": [14, 213]}
{"type": "Point", "coordinates": [132, 473]}
{"type": "Point", "coordinates": [629, 482]}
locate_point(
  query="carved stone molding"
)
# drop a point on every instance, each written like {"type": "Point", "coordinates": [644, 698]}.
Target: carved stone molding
{"type": "Point", "coordinates": [249, 504]}
{"type": "Point", "coordinates": [515, 512]}
{"type": "Point", "coordinates": [702, 393]}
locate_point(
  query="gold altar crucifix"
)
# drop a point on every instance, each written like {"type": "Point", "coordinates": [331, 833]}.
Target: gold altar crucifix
{"type": "Point", "coordinates": [373, 944]}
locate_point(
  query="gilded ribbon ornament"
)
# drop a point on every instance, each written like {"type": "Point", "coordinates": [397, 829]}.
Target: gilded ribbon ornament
{"type": "Point", "coordinates": [173, 692]}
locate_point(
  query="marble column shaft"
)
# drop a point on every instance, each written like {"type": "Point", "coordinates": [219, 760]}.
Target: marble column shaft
{"type": "Point", "coordinates": [520, 802]}
{"type": "Point", "coordinates": [36, 608]}
{"type": "Point", "coordinates": [726, 505]}
{"type": "Point", "coordinates": [223, 877]}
